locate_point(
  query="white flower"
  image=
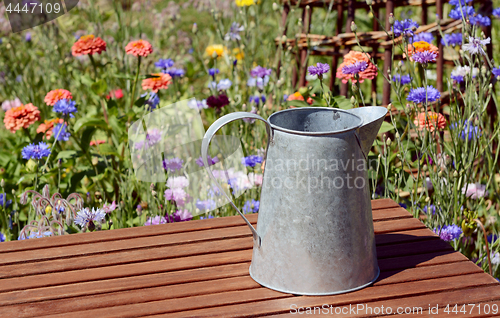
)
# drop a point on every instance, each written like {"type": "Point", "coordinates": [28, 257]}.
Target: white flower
{"type": "Point", "coordinates": [475, 45]}
{"type": "Point", "coordinates": [85, 217]}
{"type": "Point", "coordinates": [177, 182]}
{"type": "Point", "coordinates": [475, 190]}
{"type": "Point", "coordinates": [197, 104]}
{"type": "Point", "coordinates": [255, 179]}
{"type": "Point", "coordinates": [258, 81]}
{"type": "Point", "coordinates": [224, 84]}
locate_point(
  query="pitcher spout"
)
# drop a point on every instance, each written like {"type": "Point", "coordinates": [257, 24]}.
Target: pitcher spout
{"type": "Point", "coordinates": [372, 116]}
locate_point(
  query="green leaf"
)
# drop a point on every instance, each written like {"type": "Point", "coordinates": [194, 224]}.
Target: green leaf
{"type": "Point", "coordinates": [86, 121]}
{"type": "Point", "coordinates": [22, 216]}
{"type": "Point", "coordinates": [99, 87]}
{"type": "Point", "coordinates": [107, 149]}
{"type": "Point", "coordinates": [297, 103]}
{"type": "Point", "coordinates": [66, 154]}
{"type": "Point", "coordinates": [385, 127]}
{"type": "Point", "coordinates": [342, 102]}
{"type": "Point", "coordinates": [87, 135]}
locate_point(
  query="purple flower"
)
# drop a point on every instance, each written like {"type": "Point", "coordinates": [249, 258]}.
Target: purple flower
{"type": "Point", "coordinates": [87, 219]}
{"type": "Point", "coordinates": [234, 32]}
{"type": "Point", "coordinates": [260, 71]}
{"type": "Point", "coordinates": [2, 237]}
{"type": "Point", "coordinates": [459, 14]}
{"type": "Point", "coordinates": [153, 136]}
{"type": "Point", "coordinates": [430, 208]}
{"type": "Point", "coordinates": [448, 232]}
{"type": "Point", "coordinates": [479, 20]}
{"type": "Point", "coordinates": [206, 204]}
{"type": "Point", "coordinates": [354, 68]}
{"type": "Point", "coordinates": [457, 78]}
{"type": "Point", "coordinates": [424, 57]}
{"type": "Point", "coordinates": [60, 133]}
{"type": "Point", "coordinates": [197, 104]}
{"type": "Point", "coordinates": [152, 100]}
{"type": "Point", "coordinates": [65, 107]}
{"type": "Point", "coordinates": [475, 45]}
{"type": "Point", "coordinates": [496, 12]}
{"type": "Point", "coordinates": [182, 215]}
{"type": "Point", "coordinates": [459, 2]}
{"type": "Point", "coordinates": [420, 95]}
{"type": "Point", "coordinates": [178, 195]}
{"type": "Point", "coordinates": [34, 235]}
{"type": "Point", "coordinates": [3, 200]}
{"type": "Point", "coordinates": [164, 64]}
{"type": "Point", "coordinates": [211, 161]}
{"type": "Point", "coordinates": [9, 104]}
{"type": "Point", "coordinates": [38, 152]}
{"type": "Point", "coordinates": [251, 206]}
{"type": "Point", "coordinates": [213, 71]}
{"type": "Point", "coordinates": [402, 79]}
{"type": "Point", "coordinates": [406, 28]}
{"type": "Point", "coordinates": [259, 82]}
{"type": "Point", "coordinates": [422, 36]}
{"type": "Point", "coordinates": [469, 131]}
{"type": "Point", "coordinates": [319, 69]}
{"type": "Point", "coordinates": [452, 39]}
{"type": "Point", "coordinates": [251, 161]}
{"type": "Point", "coordinates": [27, 37]}
{"type": "Point", "coordinates": [175, 72]}
{"type": "Point", "coordinates": [209, 217]}
{"type": "Point", "coordinates": [173, 164]}
{"type": "Point", "coordinates": [496, 71]}
{"type": "Point", "coordinates": [256, 99]}
{"type": "Point", "coordinates": [156, 220]}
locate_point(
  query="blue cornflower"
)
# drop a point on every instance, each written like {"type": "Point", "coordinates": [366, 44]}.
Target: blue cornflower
{"type": "Point", "coordinates": [256, 99]}
{"type": "Point", "coordinates": [319, 69]}
{"type": "Point", "coordinates": [457, 78]}
{"type": "Point", "coordinates": [234, 32]}
{"type": "Point", "coordinates": [430, 208]}
{"type": "Point", "coordinates": [448, 232]}
{"type": "Point", "coordinates": [85, 218]}
{"type": "Point", "coordinates": [35, 235]}
{"type": "Point", "coordinates": [251, 206]}
{"type": "Point", "coordinates": [496, 12]}
{"type": "Point", "coordinates": [260, 71]}
{"type": "Point", "coordinates": [251, 161]}
{"type": "Point", "coordinates": [479, 20]}
{"type": "Point", "coordinates": [60, 132]}
{"type": "Point", "coordinates": [213, 71]}
{"type": "Point", "coordinates": [405, 28]}
{"type": "Point", "coordinates": [354, 68]}
{"type": "Point", "coordinates": [33, 151]}
{"type": "Point", "coordinates": [424, 57]}
{"type": "Point", "coordinates": [423, 36]}
{"type": "Point", "coordinates": [452, 39]}
{"type": "Point", "coordinates": [404, 206]}
{"type": "Point", "coordinates": [152, 99]}
{"type": "Point", "coordinates": [3, 200]}
{"type": "Point", "coordinates": [459, 14]}
{"type": "Point", "coordinates": [418, 95]}
{"type": "Point", "coordinates": [209, 217]}
{"type": "Point", "coordinates": [65, 107]}
{"type": "Point", "coordinates": [492, 238]}
{"type": "Point", "coordinates": [164, 64]}
{"type": "Point", "coordinates": [2, 237]}
{"type": "Point", "coordinates": [402, 79]}
{"type": "Point", "coordinates": [210, 160]}
{"type": "Point", "coordinates": [475, 45]}
{"type": "Point", "coordinates": [459, 2]}
{"type": "Point", "coordinates": [173, 164]}
{"type": "Point", "coordinates": [469, 131]}
{"type": "Point", "coordinates": [175, 72]}
{"type": "Point", "coordinates": [496, 71]}
{"type": "Point", "coordinates": [224, 84]}
{"type": "Point", "coordinates": [206, 204]}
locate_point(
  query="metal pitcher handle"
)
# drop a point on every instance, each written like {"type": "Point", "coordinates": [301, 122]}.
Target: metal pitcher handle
{"type": "Point", "coordinates": [204, 152]}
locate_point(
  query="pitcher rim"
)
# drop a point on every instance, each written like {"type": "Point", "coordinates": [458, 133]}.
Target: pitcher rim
{"type": "Point", "coordinates": [322, 133]}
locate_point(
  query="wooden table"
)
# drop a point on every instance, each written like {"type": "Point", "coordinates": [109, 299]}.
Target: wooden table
{"type": "Point", "coordinates": [200, 268]}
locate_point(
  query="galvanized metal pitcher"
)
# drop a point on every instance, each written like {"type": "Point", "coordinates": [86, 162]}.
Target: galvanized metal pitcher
{"type": "Point", "coordinates": [315, 230]}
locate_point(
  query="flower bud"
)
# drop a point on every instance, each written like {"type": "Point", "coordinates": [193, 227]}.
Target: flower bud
{"type": "Point", "coordinates": [369, 2]}
{"type": "Point", "coordinates": [244, 106]}
{"type": "Point", "coordinates": [2, 183]}
{"type": "Point", "coordinates": [354, 88]}
{"type": "Point", "coordinates": [195, 28]}
{"type": "Point", "coordinates": [397, 135]}
{"type": "Point", "coordinates": [427, 199]}
{"type": "Point", "coordinates": [110, 222]}
{"type": "Point", "coordinates": [283, 39]}
{"type": "Point", "coordinates": [214, 55]}
{"type": "Point", "coordinates": [354, 27]}
{"type": "Point", "coordinates": [440, 174]}
{"type": "Point", "coordinates": [388, 142]}
{"type": "Point", "coordinates": [276, 7]}
{"type": "Point", "coordinates": [353, 100]}
{"type": "Point", "coordinates": [490, 86]}
{"type": "Point", "coordinates": [154, 193]}
{"type": "Point", "coordinates": [391, 19]}
{"type": "Point", "coordinates": [455, 174]}
{"type": "Point", "coordinates": [389, 107]}
{"type": "Point", "coordinates": [424, 168]}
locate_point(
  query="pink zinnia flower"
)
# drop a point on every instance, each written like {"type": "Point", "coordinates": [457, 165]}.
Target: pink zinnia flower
{"type": "Point", "coordinates": [56, 95]}
{"type": "Point", "coordinates": [139, 48]}
{"type": "Point", "coordinates": [159, 81]}
{"type": "Point", "coordinates": [21, 117]}
{"type": "Point", "coordinates": [88, 44]}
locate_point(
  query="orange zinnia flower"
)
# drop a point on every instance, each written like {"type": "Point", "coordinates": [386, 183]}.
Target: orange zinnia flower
{"type": "Point", "coordinates": [88, 44]}
{"type": "Point", "coordinates": [352, 57]}
{"type": "Point", "coordinates": [298, 96]}
{"type": "Point", "coordinates": [139, 48]}
{"type": "Point", "coordinates": [55, 95]}
{"type": "Point", "coordinates": [48, 126]}
{"type": "Point", "coordinates": [421, 46]}
{"type": "Point", "coordinates": [160, 81]}
{"type": "Point", "coordinates": [430, 121]}
{"type": "Point", "coordinates": [21, 117]}
{"type": "Point", "coordinates": [97, 142]}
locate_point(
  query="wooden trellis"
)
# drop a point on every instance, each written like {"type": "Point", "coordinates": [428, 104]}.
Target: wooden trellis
{"type": "Point", "coordinates": [339, 44]}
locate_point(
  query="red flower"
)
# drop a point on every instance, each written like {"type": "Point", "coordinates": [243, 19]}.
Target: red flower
{"type": "Point", "coordinates": [88, 44]}
{"type": "Point", "coordinates": [117, 93]}
{"type": "Point", "coordinates": [159, 81]}
{"type": "Point", "coordinates": [217, 102]}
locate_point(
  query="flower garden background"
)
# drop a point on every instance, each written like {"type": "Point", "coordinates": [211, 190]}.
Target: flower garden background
{"type": "Point", "coordinates": [71, 89]}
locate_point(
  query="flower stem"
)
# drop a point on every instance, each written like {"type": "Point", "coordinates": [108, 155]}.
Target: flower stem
{"type": "Point", "coordinates": [132, 98]}
{"type": "Point", "coordinates": [94, 66]}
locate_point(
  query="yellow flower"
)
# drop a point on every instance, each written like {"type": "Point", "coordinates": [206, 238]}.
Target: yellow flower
{"type": "Point", "coordinates": [48, 209]}
{"type": "Point", "coordinates": [238, 54]}
{"type": "Point", "coordinates": [245, 3]}
{"type": "Point", "coordinates": [217, 48]}
{"type": "Point", "coordinates": [421, 46]}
